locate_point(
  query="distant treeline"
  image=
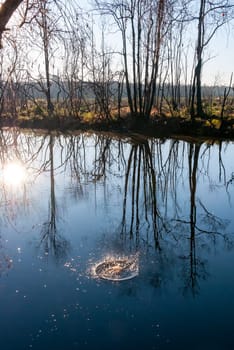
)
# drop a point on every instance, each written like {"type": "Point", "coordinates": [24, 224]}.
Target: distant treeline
{"type": "Point", "coordinates": [60, 90]}
{"type": "Point", "coordinates": [141, 58]}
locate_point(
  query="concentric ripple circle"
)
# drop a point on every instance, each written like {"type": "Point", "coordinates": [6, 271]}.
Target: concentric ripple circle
{"type": "Point", "coordinates": [117, 270]}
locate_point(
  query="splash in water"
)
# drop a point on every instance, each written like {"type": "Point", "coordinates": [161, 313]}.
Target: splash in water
{"type": "Point", "coordinates": [117, 268]}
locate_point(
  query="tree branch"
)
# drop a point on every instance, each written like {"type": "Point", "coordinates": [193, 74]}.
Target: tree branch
{"type": "Point", "coordinates": [6, 11]}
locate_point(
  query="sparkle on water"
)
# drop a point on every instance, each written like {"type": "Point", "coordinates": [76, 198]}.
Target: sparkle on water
{"type": "Point", "coordinates": [117, 268]}
{"type": "Point", "coordinates": [70, 230]}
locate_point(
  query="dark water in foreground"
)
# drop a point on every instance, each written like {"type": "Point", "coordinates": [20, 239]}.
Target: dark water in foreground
{"type": "Point", "coordinates": [68, 202]}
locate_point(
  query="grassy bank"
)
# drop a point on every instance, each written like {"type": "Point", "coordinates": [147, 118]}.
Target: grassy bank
{"type": "Point", "coordinates": [167, 123]}
{"type": "Point", "coordinates": [155, 126]}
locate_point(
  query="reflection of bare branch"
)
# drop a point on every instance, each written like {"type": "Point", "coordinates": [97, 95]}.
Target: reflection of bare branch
{"type": "Point", "coordinates": [214, 232]}
{"type": "Point", "coordinates": [102, 156]}
{"type": "Point", "coordinates": [231, 181]}
{"type": "Point", "coordinates": [152, 213]}
{"type": "Point", "coordinates": [53, 242]}
{"type": "Point", "coordinates": [140, 170]}
{"type": "Point", "coordinates": [193, 273]}
{"type": "Point", "coordinates": [221, 165]}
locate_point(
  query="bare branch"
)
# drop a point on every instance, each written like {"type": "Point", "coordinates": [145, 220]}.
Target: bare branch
{"type": "Point", "coordinates": [6, 11]}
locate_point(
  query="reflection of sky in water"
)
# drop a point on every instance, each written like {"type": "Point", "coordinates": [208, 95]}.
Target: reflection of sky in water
{"type": "Point", "coordinates": [68, 215]}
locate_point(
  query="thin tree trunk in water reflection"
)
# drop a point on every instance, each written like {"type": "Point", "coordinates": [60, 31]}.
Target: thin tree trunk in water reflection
{"type": "Point", "coordinates": [126, 189]}
{"type": "Point", "coordinates": [137, 192]}
{"type": "Point", "coordinates": [133, 189]}
{"type": "Point", "coordinates": [141, 169]}
{"type": "Point", "coordinates": [52, 190]}
{"type": "Point", "coordinates": [193, 165]}
{"type": "Point", "coordinates": [221, 165]}
{"type": "Point", "coordinates": [152, 184]}
{"type": "Point", "coordinates": [54, 244]}
{"type": "Point", "coordinates": [49, 235]}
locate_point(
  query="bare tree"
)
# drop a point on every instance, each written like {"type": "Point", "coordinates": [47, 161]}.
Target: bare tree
{"type": "Point", "coordinates": [143, 26]}
{"type": "Point", "coordinates": [8, 68]}
{"type": "Point", "coordinates": [6, 11]}
{"type": "Point", "coordinates": [212, 16]}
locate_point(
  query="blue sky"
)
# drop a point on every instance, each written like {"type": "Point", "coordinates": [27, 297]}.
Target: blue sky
{"type": "Point", "coordinates": [218, 56]}
{"type": "Point", "coordinates": [221, 64]}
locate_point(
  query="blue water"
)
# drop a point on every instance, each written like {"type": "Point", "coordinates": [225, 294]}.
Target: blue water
{"type": "Point", "coordinates": [69, 201]}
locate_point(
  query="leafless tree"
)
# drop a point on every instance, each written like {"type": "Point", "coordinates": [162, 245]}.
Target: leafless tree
{"type": "Point", "coordinates": [212, 15]}
{"type": "Point", "coordinates": [143, 26]}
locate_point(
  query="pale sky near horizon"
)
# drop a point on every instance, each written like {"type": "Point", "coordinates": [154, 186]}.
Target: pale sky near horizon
{"type": "Point", "coordinates": [221, 65]}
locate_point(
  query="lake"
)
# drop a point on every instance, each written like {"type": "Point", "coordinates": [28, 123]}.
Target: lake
{"type": "Point", "coordinates": [70, 202]}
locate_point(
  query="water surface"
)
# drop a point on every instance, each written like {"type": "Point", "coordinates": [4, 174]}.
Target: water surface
{"type": "Point", "coordinates": [70, 201]}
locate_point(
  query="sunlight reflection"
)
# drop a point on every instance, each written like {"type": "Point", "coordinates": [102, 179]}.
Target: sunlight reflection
{"type": "Point", "coordinates": [14, 174]}
{"type": "Point", "coordinates": [117, 268]}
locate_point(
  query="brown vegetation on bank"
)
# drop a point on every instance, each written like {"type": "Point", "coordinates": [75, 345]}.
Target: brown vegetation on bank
{"type": "Point", "coordinates": [212, 124]}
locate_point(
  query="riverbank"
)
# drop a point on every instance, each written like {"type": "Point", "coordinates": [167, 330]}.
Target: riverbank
{"type": "Point", "coordinates": [156, 127]}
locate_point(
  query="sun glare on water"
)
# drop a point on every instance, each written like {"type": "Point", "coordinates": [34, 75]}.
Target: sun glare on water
{"type": "Point", "coordinates": [14, 174]}
{"type": "Point", "coordinates": [117, 268]}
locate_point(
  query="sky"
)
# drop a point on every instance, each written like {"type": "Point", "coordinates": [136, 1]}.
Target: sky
{"type": "Point", "coordinates": [221, 64]}
{"type": "Point", "coordinates": [219, 56]}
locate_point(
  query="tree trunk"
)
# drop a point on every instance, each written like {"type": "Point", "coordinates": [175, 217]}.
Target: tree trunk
{"type": "Point", "coordinates": [45, 36]}
{"type": "Point", "coordinates": [196, 88]}
{"type": "Point", "coordinates": [6, 11]}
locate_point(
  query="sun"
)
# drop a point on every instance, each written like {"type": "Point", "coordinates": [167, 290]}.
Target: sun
{"type": "Point", "coordinates": [14, 174]}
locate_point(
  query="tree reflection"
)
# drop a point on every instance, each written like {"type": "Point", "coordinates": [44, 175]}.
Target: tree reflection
{"type": "Point", "coordinates": [195, 264]}
{"type": "Point", "coordinates": [5, 261]}
{"type": "Point", "coordinates": [14, 179]}
{"type": "Point", "coordinates": [196, 269]}
{"type": "Point", "coordinates": [140, 178]}
{"type": "Point", "coordinates": [152, 178]}
{"type": "Point", "coordinates": [150, 196]}
{"type": "Point", "coordinates": [54, 244]}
